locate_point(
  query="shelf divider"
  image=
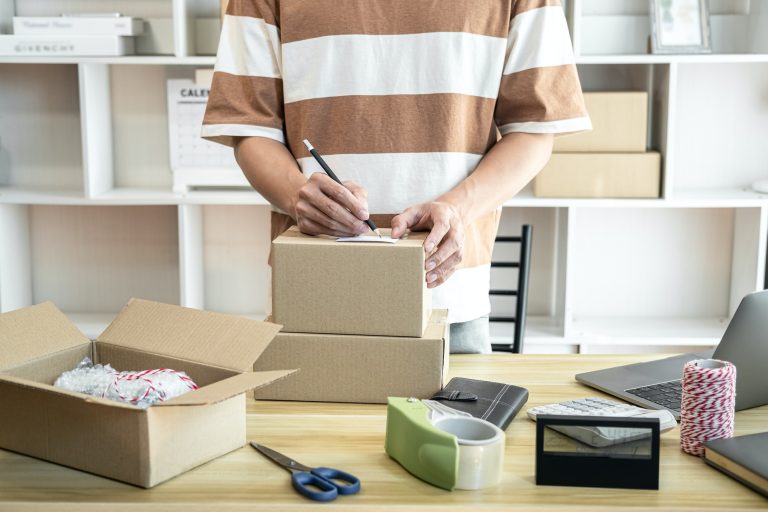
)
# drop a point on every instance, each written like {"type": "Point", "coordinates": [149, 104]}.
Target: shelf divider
{"type": "Point", "coordinates": [191, 265]}
{"type": "Point", "coordinates": [15, 258]}
{"type": "Point", "coordinates": [667, 128]}
{"type": "Point", "coordinates": [184, 28]}
{"type": "Point", "coordinates": [96, 128]}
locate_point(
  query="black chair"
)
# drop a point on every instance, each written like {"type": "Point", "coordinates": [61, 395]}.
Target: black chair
{"type": "Point", "coordinates": [524, 268]}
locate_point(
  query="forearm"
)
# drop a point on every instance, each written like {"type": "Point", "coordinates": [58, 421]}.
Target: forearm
{"type": "Point", "coordinates": [504, 171]}
{"type": "Point", "coordinates": [271, 169]}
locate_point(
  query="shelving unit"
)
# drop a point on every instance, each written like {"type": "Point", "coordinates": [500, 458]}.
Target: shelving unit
{"type": "Point", "coordinates": [89, 217]}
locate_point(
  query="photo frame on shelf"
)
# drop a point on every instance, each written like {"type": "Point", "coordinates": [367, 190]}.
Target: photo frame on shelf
{"type": "Point", "coordinates": [680, 26]}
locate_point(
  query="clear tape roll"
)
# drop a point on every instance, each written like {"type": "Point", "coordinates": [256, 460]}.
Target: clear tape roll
{"type": "Point", "coordinates": [481, 450]}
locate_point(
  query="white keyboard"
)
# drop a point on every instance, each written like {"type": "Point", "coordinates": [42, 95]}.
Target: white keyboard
{"type": "Point", "coordinates": [601, 437]}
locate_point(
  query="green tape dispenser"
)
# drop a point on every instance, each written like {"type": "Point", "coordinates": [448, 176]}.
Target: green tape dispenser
{"type": "Point", "coordinates": [444, 447]}
{"type": "Point", "coordinates": [422, 449]}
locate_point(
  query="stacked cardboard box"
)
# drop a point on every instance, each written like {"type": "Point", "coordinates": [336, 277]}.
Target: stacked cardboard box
{"type": "Point", "coordinates": [356, 321]}
{"type": "Point", "coordinates": [609, 161]}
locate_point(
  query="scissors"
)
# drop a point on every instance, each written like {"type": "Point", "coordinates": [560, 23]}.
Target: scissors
{"type": "Point", "coordinates": [323, 479]}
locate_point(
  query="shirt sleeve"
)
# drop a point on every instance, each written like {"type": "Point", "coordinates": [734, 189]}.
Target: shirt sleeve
{"type": "Point", "coordinates": [540, 90]}
{"type": "Point", "coordinates": [246, 97]}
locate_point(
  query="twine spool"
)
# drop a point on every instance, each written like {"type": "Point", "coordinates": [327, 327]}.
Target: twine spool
{"type": "Point", "coordinates": [708, 404]}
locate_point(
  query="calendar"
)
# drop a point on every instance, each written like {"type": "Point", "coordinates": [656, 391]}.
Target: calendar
{"type": "Point", "coordinates": [197, 163]}
{"type": "Point", "coordinates": [186, 107]}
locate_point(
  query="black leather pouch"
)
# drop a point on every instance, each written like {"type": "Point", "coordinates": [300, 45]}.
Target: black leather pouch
{"type": "Point", "coordinates": [491, 401]}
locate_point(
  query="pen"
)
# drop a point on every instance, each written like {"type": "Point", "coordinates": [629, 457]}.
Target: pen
{"type": "Point", "coordinates": [335, 178]}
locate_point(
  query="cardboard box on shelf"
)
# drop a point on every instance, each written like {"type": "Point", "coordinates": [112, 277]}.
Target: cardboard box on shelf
{"type": "Point", "coordinates": [614, 175]}
{"type": "Point", "coordinates": [619, 124]}
{"type": "Point", "coordinates": [323, 286]}
{"type": "Point", "coordinates": [115, 439]}
{"type": "Point", "coordinates": [362, 369]}
{"type": "Point", "coordinates": [223, 4]}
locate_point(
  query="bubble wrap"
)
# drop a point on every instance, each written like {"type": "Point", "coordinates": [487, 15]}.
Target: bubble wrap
{"type": "Point", "coordinates": [141, 388]}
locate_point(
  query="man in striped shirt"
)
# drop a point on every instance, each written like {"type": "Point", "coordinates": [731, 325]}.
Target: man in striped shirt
{"type": "Point", "coordinates": [435, 112]}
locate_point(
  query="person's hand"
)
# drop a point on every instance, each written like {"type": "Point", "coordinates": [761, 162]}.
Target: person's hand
{"type": "Point", "coordinates": [445, 243]}
{"type": "Point", "coordinates": [323, 207]}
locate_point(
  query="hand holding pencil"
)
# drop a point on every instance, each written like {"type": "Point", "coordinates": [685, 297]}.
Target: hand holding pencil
{"type": "Point", "coordinates": [362, 214]}
{"type": "Point", "coordinates": [321, 206]}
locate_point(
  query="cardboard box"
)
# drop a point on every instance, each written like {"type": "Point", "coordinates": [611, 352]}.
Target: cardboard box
{"type": "Point", "coordinates": [118, 440]}
{"type": "Point", "coordinates": [363, 369]}
{"type": "Point", "coordinates": [616, 175]}
{"type": "Point", "coordinates": [223, 5]}
{"type": "Point", "coordinates": [320, 285]}
{"type": "Point", "coordinates": [619, 124]}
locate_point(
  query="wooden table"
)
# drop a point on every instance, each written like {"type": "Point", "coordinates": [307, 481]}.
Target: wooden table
{"type": "Point", "coordinates": [351, 437]}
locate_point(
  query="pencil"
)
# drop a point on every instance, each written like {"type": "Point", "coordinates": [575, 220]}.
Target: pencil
{"type": "Point", "coordinates": [335, 178]}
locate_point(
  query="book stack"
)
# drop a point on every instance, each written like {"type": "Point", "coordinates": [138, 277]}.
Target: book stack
{"type": "Point", "coordinates": [95, 35]}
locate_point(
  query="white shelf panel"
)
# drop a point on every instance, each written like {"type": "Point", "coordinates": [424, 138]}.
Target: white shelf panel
{"type": "Point", "coordinates": [647, 331]}
{"type": "Point", "coordinates": [713, 58]}
{"type": "Point", "coordinates": [24, 195]}
{"type": "Point", "coordinates": [683, 198]}
{"type": "Point", "coordinates": [741, 197]}
{"type": "Point", "coordinates": [128, 197]}
{"type": "Point", "coordinates": [170, 60]}
{"type": "Point", "coordinates": [154, 196]}
{"type": "Point", "coordinates": [159, 60]}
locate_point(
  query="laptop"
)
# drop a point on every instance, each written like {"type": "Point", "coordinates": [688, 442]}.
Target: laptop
{"type": "Point", "coordinates": [657, 384]}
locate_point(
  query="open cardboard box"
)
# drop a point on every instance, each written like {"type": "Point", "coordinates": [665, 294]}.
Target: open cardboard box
{"type": "Point", "coordinates": [320, 285]}
{"type": "Point", "coordinates": [119, 440]}
{"type": "Point", "coordinates": [355, 368]}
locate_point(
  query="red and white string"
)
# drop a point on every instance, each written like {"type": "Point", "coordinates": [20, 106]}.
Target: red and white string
{"type": "Point", "coordinates": [155, 380]}
{"type": "Point", "coordinates": [709, 399]}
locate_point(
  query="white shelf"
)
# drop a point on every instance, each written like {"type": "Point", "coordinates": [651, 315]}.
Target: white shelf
{"type": "Point", "coordinates": [713, 58]}
{"type": "Point", "coordinates": [128, 196]}
{"type": "Point", "coordinates": [647, 331]}
{"type": "Point", "coordinates": [143, 60]}
{"type": "Point", "coordinates": [144, 196]}
{"type": "Point", "coordinates": [683, 198]}
{"type": "Point", "coordinates": [720, 197]}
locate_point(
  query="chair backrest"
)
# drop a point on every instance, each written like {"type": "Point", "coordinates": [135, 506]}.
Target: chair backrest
{"type": "Point", "coordinates": [521, 305]}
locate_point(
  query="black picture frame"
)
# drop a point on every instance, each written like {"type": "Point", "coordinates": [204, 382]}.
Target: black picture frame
{"type": "Point", "coordinates": [608, 470]}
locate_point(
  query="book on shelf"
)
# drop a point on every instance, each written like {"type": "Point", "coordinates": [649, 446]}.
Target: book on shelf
{"type": "Point", "coordinates": [744, 458]}
{"type": "Point", "coordinates": [78, 25]}
{"type": "Point", "coordinates": [65, 46]}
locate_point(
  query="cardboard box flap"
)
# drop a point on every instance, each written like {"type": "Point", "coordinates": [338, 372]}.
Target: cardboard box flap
{"type": "Point", "coordinates": [30, 333]}
{"type": "Point", "coordinates": [227, 388]}
{"type": "Point", "coordinates": [215, 339]}
{"type": "Point", "coordinates": [61, 391]}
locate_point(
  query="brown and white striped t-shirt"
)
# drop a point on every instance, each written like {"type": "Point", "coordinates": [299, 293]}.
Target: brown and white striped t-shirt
{"type": "Point", "coordinates": [402, 96]}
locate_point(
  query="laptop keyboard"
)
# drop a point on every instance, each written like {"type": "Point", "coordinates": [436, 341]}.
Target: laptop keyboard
{"type": "Point", "coordinates": [666, 394]}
